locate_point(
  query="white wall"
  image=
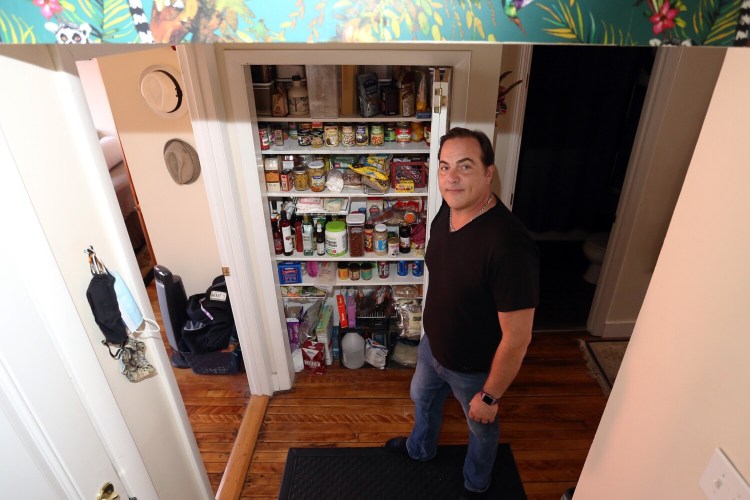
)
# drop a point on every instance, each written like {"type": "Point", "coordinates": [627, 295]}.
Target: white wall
{"type": "Point", "coordinates": [96, 95]}
{"type": "Point", "coordinates": [54, 144]}
{"type": "Point", "coordinates": [177, 216]}
{"type": "Point", "coordinates": [683, 385]}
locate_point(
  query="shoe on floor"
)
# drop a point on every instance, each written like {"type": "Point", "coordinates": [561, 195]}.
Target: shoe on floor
{"type": "Point", "coordinates": [397, 445]}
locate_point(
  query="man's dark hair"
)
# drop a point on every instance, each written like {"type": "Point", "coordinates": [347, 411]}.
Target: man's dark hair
{"type": "Point", "coordinates": [488, 154]}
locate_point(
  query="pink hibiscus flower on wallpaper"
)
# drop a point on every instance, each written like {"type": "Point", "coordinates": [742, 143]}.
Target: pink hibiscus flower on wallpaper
{"type": "Point", "coordinates": [663, 19]}
{"type": "Point", "coordinates": [48, 7]}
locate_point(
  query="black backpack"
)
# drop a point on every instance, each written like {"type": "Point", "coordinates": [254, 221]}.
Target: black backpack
{"type": "Point", "coordinates": [210, 326]}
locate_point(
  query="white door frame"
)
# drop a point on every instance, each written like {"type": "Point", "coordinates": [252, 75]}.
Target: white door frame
{"type": "Point", "coordinates": [55, 307]}
{"type": "Point", "coordinates": [220, 109]}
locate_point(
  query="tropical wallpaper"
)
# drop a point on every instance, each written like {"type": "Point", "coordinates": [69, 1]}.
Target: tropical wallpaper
{"type": "Point", "coordinates": [610, 22]}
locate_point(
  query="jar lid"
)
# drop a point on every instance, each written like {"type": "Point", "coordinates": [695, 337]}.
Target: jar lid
{"type": "Point", "coordinates": [335, 226]}
{"type": "Point", "coordinates": [355, 219]}
{"type": "Point", "coordinates": [300, 168]}
{"type": "Point", "coordinates": [381, 228]}
{"type": "Point", "coordinates": [315, 164]}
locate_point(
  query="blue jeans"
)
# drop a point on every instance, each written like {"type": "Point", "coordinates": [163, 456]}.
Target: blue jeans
{"type": "Point", "coordinates": [429, 388]}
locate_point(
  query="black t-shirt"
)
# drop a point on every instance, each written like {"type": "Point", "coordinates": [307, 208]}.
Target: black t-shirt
{"type": "Point", "coordinates": [490, 265]}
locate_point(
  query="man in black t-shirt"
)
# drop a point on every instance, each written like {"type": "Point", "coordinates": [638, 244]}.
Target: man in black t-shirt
{"type": "Point", "coordinates": [479, 309]}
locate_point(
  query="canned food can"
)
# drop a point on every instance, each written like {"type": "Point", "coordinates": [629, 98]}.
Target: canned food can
{"type": "Point", "coordinates": [377, 135]}
{"type": "Point", "coordinates": [348, 136]}
{"type": "Point", "coordinates": [331, 132]}
{"type": "Point", "coordinates": [402, 269]}
{"type": "Point", "coordinates": [278, 136]}
{"type": "Point", "coordinates": [265, 140]}
{"type": "Point", "coordinates": [403, 132]}
{"type": "Point", "coordinates": [361, 135]}
{"type": "Point", "coordinates": [384, 269]}
{"type": "Point", "coordinates": [417, 268]}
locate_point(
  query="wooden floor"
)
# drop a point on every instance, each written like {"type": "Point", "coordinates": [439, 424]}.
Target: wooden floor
{"type": "Point", "coordinates": [549, 416]}
{"type": "Point", "coordinates": [215, 405]}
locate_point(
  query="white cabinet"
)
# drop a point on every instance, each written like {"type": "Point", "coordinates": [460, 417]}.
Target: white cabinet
{"type": "Point", "coordinates": [226, 125]}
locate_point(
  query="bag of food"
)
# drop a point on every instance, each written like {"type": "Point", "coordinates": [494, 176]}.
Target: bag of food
{"type": "Point", "coordinates": [369, 100]}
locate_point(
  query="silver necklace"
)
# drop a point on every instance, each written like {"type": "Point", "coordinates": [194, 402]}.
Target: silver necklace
{"type": "Point", "coordinates": [481, 211]}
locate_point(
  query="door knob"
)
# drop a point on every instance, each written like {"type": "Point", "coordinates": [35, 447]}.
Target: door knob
{"type": "Point", "coordinates": [107, 492]}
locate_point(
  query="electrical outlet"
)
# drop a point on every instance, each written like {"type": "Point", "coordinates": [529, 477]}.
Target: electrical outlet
{"type": "Point", "coordinates": [721, 481]}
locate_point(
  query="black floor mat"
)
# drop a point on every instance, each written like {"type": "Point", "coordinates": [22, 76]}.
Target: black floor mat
{"type": "Point", "coordinates": [373, 473]}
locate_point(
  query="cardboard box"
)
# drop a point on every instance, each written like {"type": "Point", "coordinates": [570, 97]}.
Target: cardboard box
{"type": "Point", "coordinates": [324, 332]}
{"type": "Point", "coordinates": [323, 91]}
{"type": "Point", "coordinates": [349, 91]}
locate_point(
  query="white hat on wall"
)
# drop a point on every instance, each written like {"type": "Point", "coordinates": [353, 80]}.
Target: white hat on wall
{"type": "Point", "coordinates": [162, 90]}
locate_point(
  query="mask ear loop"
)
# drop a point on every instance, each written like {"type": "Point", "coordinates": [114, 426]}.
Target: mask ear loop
{"type": "Point", "coordinates": [156, 329]}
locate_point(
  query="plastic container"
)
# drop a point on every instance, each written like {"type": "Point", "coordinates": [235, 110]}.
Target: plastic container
{"type": "Point", "coordinates": [323, 88]}
{"type": "Point", "coordinates": [355, 224]}
{"type": "Point", "coordinates": [299, 104]}
{"type": "Point", "coordinates": [380, 239]}
{"type": "Point", "coordinates": [336, 238]}
{"type": "Point", "coordinates": [353, 350]}
{"type": "Point", "coordinates": [263, 93]}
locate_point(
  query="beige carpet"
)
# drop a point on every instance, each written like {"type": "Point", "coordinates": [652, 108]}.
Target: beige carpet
{"type": "Point", "coordinates": [603, 359]}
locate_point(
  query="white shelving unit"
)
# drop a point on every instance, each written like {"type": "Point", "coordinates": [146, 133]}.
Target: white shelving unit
{"type": "Point", "coordinates": [226, 127]}
{"type": "Point", "coordinates": [291, 147]}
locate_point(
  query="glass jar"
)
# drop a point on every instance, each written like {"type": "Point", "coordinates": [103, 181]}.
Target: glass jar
{"type": "Point", "coordinates": [392, 245]}
{"type": "Point", "coordinates": [303, 135]}
{"type": "Point", "coordinates": [336, 239]}
{"type": "Point", "coordinates": [366, 271]}
{"type": "Point", "coordinates": [390, 132]}
{"type": "Point", "coordinates": [355, 224]}
{"type": "Point", "coordinates": [343, 269]}
{"type": "Point", "coordinates": [317, 172]}
{"type": "Point", "coordinates": [369, 235]}
{"type": "Point", "coordinates": [403, 132]}
{"type": "Point", "coordinates": [417, 132]}
{"type": "Point", "coordinates": [354, 271]}
{"type": "Point", "coordinates": [317, 138]}
{"type": "Point", "coordinates": [380, 239]}
{"type": "Point", "coordinates": [301, 178]}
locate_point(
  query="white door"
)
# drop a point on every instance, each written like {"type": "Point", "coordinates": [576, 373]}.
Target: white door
{"type": "Point", "coordinates": [53, 447]}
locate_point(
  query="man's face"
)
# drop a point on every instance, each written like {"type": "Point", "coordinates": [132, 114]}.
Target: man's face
{"type": "Point", "coordinates": [463, 179]}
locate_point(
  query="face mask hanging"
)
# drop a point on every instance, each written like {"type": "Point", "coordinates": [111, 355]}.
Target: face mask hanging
{"type": "Point", "coordinates": [116, 313]}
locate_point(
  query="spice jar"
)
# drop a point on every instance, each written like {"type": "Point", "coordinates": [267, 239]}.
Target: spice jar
{"type": "Point", "coordinates": [317, 172]}
{"type": "Point", "coordinates": [354, 271]}
{"type": "Point", "coordinates": [343, 269]}
{"type": "Point", "coordinates": [355, 224]}
{"type": "Point", "coordinates": [380, 239]}
{"type": "Point", "coordinates": [369, 235]}
{"type": "Point", "coordinates": [336, 240]}
{"type": "Point", "coordinates": [301, 178]}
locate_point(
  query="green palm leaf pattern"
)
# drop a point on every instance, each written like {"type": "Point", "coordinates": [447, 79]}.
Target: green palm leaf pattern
{"type": "Point", "coordinates": [715, 22]}
{"type": "Point", "coordinates": [13, 29]}
{"type": "Point", "coordinates": [117, 22]}
{"type": "Point", "coordinates": [573, 25]}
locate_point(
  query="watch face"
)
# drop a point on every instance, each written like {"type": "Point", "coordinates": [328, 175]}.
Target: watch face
{"type": "Point", "coordinates": [487, 399]}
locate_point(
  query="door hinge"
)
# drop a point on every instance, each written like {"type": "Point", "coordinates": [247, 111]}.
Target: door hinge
{"type": "Point", "coordinates": [225, 271]}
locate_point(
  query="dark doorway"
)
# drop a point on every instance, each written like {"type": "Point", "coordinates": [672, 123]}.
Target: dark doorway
{"type": "Point", "coordinates": [582, 112]}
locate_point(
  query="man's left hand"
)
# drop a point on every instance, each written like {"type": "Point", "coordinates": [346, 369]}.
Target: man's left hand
{"type": "Point", "coordinates": [481, 412]}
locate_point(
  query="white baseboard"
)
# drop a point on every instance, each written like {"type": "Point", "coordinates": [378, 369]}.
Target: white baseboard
{"type": "Point", "coordinates": [621, 329]}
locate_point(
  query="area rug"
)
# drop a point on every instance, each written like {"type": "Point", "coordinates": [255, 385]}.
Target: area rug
{"type": "Point", "coordinates": [373, 473]}
{"type": "Point", "coordinates": [603, 359]}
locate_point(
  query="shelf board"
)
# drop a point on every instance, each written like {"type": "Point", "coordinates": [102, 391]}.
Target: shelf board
{"type": "Point", "coordinates": [292, 147]}
{"type": "Point", "coordinates": [343, 119]}
{"type": "Point", "coordinates": [392, 279]}
{"type": "Point", "coordinates": [418, 192]}
{"type": "Point", "coordinates": [368, 257]}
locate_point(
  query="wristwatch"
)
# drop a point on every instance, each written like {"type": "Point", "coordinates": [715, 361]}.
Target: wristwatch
{"type": "Point", "coordinates": [488, 400]}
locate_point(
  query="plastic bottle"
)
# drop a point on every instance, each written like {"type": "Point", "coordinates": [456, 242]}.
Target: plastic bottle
{"type": "Point", "coordinates": [308, 243]}
{"type": "Point", "coordinates": [299, 104]}
{"type": "Point", "coordinates": [353, 350]}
